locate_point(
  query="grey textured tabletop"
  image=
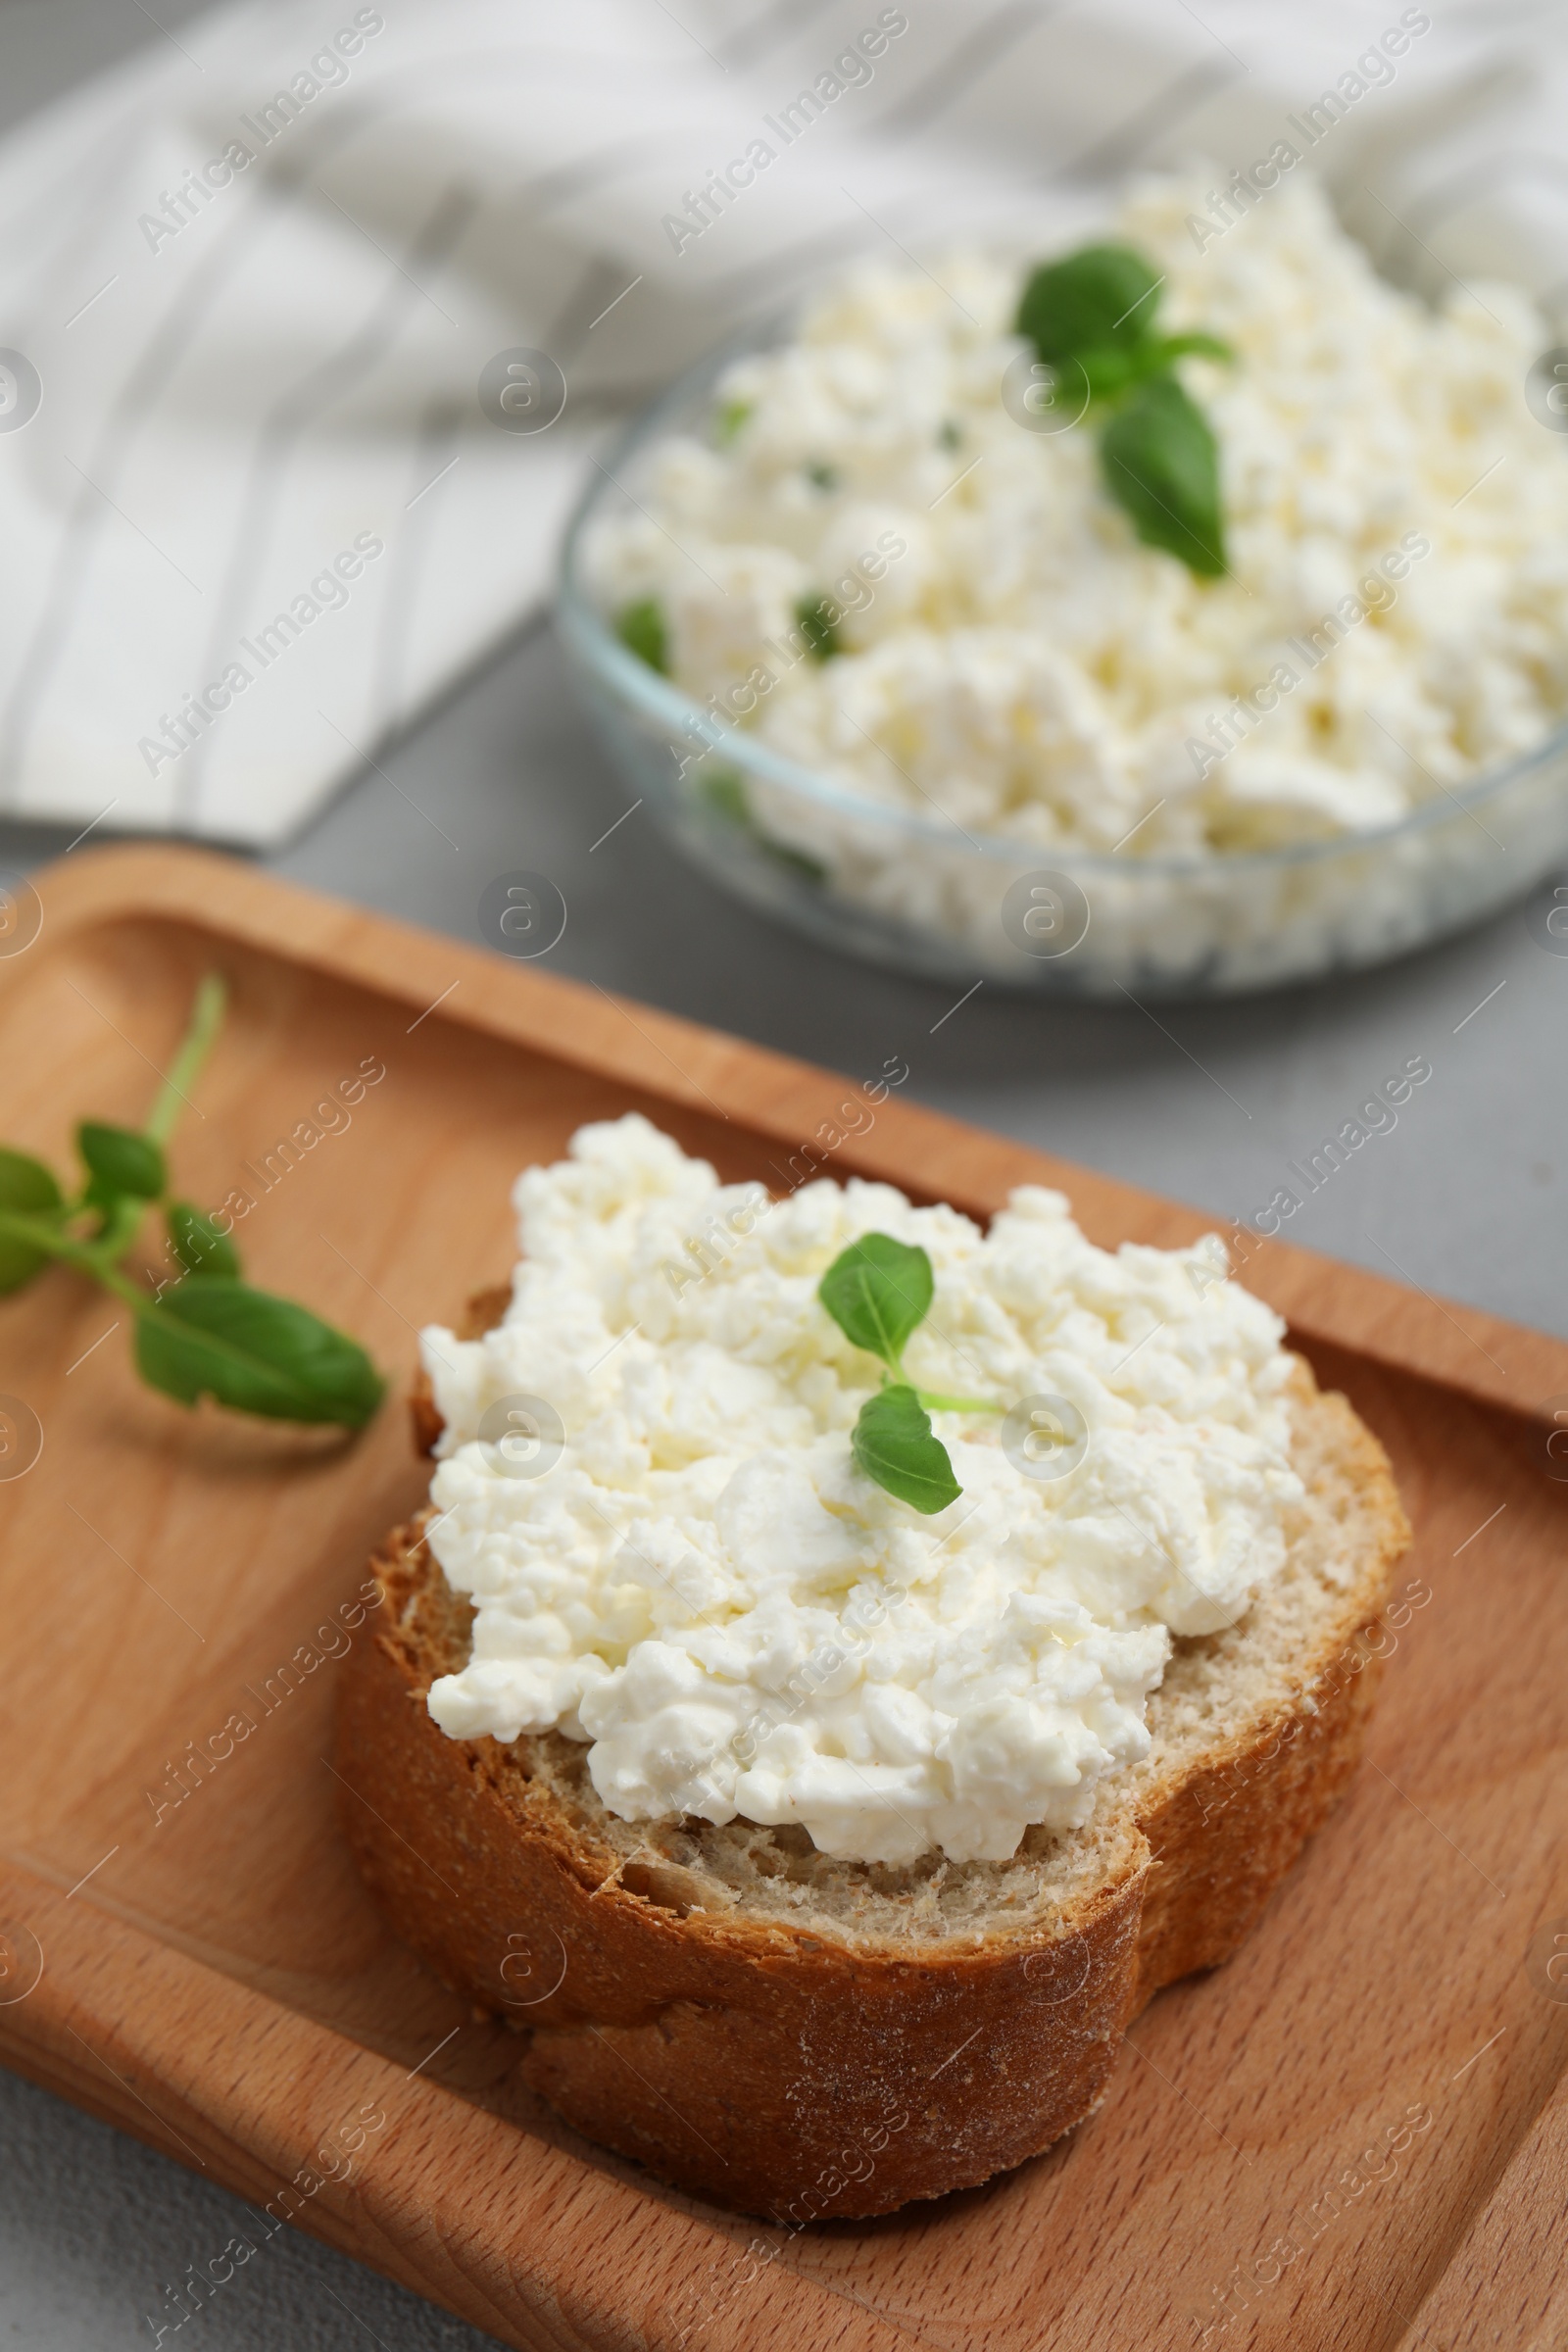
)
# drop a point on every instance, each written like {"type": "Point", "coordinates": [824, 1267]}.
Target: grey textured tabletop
{"type": "Point", "coordinates": [1460, 1196]}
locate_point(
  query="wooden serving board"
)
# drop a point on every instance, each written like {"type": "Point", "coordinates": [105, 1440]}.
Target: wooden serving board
{"type": "Point", "coordinates": [1354, 2135]}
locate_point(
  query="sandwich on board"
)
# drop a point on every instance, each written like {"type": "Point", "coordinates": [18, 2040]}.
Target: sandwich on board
{"type": "Point", "coordinates": [850, 1663]}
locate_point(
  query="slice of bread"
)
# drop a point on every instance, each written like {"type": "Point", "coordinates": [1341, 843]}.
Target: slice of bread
{"type": "Point", "coordinates": [801, 2038]}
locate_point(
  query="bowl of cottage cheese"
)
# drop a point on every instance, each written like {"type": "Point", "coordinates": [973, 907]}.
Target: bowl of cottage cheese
{"type": "Point", "coordinates": [873, 622]}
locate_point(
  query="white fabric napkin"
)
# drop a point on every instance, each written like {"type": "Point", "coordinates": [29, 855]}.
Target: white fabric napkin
{"type": "Point", "coordinates": [255, 512]}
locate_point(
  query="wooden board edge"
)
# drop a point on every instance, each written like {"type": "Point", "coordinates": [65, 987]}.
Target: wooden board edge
{"type": "Point", "coordinates": [1482, 1357]}
{"type": "Point", "coordinates": [207, 2070]}
{"type": "Point", "coordinates": [1497, 2286]}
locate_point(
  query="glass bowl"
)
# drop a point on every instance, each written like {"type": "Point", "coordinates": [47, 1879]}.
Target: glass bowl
{"type": "Point", "coordinates": [917, 894]}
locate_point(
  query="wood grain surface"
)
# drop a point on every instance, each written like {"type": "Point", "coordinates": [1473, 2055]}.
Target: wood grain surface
{"type": "Point", "coordinates": [1354, 2135]}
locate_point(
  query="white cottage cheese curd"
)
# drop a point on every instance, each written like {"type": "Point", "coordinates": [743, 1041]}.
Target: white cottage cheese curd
{"type": "Point", "coordinates": [706, 1589]}
{"type": "Point", "coordinates": [1395, 620]}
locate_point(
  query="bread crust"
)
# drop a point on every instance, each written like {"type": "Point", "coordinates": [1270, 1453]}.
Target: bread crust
{"type": "Point", "coordinates": [810, 2074]}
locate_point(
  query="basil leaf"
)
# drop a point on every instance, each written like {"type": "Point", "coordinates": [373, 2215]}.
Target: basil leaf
{"type": "Point", "coordinates": [893, 1445]}
{"type": "Point", "coordinates": [642, 632]}
{"type": "Point", "coordinates": [25, 1184]}
{"type": "Point", "coordinates": [876, 1291]}
{"type": "Point", "coordinates": [197, 1243]}
{"type": "Point", "coordinates": [1102, 296]}
{"type": "Point", "coordinates": [817, 624]}
{"type": "Point", "coordinates": [119, 1161]}
{"type": "Point", "coordinates": [1160, 463]}
{"type": "Point", "coordinates": [215, 1337]}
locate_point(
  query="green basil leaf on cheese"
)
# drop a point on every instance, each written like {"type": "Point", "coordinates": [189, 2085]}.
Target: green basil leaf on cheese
{"type": "Point", "coordinates": [893, 1445]}
{"type": "Point", "coordinates": [1091, 318]}
{"type": "Point", "coordinates": [1105, 295]}
{"type": "Point", "coordinates": [876, 1291]}
{"type": "Point", "coordinates": [1159, 462]}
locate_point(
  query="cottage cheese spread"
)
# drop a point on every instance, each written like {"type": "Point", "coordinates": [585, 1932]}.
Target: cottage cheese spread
{"type": "Point", "coordinates": [704, 1586]}
{"type": "Point", "coordinates": [1014, 662]}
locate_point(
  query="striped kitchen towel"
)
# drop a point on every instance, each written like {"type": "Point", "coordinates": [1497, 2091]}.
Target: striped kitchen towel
{"type": "Point", "coordinates": [314, 318]}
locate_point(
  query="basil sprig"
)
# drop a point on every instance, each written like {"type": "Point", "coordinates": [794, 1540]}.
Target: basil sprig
{"type": "Point", "coordinates": [211, 1334]}
{"type": "Point", "coordinates": [878, 1291]}
{"type": "Point", "coordinates": [1091, 318]}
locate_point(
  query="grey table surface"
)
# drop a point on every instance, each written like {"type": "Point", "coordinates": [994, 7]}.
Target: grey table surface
{"type": "Point", "coordinates": [1462, 1196]}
